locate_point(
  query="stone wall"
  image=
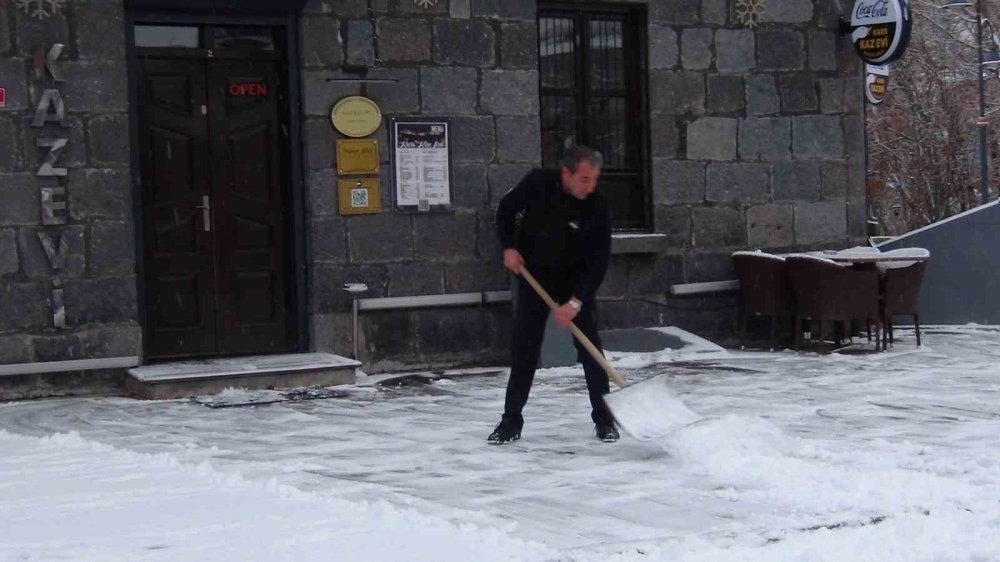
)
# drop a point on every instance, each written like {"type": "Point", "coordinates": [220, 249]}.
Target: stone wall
{"type": "Point", "coordinates": [756, 142]}
{"type": "Point", "coordinates": [89, 262]}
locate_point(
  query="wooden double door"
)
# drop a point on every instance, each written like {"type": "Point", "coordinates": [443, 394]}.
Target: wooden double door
{"type": "Point", "coordinates": [213, 167]}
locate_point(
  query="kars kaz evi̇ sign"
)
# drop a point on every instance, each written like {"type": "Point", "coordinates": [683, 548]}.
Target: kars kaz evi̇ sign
{"type": "Point", "coordinates": [880, 29]}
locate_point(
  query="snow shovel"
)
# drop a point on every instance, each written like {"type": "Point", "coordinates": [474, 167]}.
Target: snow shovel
{"type": "Point", "coordinates": [646, 410]}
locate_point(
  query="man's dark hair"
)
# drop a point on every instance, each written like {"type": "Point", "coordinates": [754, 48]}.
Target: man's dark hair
{"type": "Point", "coordinates": [580, 153]}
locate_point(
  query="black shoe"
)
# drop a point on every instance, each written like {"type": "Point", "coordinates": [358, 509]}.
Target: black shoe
{"type": "Point", "coordinates": [505, 432]}
{"type": "Point", "coordinates": [606, 431]}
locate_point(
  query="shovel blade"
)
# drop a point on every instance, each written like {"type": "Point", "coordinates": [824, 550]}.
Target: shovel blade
{"type": "Point", "coordinates": [649, 410]}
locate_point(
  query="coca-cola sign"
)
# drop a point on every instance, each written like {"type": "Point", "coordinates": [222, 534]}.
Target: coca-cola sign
{"type": "Point", "coordinates": [876, 83]}
{"type": "Point", "coordinates": [880, 29]}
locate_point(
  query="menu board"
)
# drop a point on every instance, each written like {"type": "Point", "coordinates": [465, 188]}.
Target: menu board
{"type": "Point", "coordinates": [421, 164]}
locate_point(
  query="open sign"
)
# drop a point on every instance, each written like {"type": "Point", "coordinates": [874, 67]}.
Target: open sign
{"type": "Point", "coordinates": [247, 89]}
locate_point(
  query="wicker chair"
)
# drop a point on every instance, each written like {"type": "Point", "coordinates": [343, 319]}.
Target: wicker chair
{"type": "Point", "coordinates": [901, 289]}
{"type": "Point", "coordinates": [826, 291]}
{"type": "Point", "coordinates": [765, 289]}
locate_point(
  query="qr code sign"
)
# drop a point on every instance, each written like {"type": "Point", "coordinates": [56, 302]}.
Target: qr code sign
{"type": "Point", "coordinates": [359, 198]}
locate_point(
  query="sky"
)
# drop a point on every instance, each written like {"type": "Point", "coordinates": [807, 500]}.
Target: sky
{"type": "Point", "coordinates": [796, 456]}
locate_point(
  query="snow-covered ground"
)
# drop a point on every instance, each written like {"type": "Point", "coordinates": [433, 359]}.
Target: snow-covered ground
{"type": "Point", "coordinates": [884, 457]}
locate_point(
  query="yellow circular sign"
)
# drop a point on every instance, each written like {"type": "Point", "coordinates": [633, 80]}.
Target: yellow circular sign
{"type": "Point", "coordinates": [356, 116]}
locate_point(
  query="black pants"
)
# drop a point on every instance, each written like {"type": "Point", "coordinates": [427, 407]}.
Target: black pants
{"type": "Point", "coordinates": [530, 316]}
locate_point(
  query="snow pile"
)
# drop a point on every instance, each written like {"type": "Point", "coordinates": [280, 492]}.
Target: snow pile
{"type": "Point", "coordinates": [63, 497]}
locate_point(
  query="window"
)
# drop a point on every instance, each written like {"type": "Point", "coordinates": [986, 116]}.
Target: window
{"type": "Point", "coordinates": [591, 62]}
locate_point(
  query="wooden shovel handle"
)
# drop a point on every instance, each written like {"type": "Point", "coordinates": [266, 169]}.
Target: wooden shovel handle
{"type": "Point", "coordinates": [594, 352]}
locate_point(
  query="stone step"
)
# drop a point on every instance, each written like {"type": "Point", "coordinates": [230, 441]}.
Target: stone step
{"type": "Point", "coordinates": [164, 381]}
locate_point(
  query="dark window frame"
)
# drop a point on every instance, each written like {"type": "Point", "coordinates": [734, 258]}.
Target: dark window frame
{"type": "Point", "coordinates": [636, 124]}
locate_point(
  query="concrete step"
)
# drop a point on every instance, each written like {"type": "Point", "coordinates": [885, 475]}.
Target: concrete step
{"type": "Point", "coordinates": [164, 381]}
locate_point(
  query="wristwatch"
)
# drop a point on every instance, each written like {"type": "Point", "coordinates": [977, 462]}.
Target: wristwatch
{"type": "Point", "coordinates": [575, 304]}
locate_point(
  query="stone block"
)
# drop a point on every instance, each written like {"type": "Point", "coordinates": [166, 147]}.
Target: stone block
{"type": "Point", "coordinates": [24, 306]}
{"type": "Point", "coordinates": [798, 93]}
{"type": "Point", "coordinates": [473, 138]}
{"type": "Point", "coordinates": [725, 94]}
{"type": "Point", "coordinates": [71, 262]}
{"type": "Point", "coordinates": [332, 333]}
{"type": "Point", "coordinates": [73, 155]}
{"type": "Point", "coordinates": [696, 48]}
{"type": "Point", "coordinates": [790, 11]}
{"type": "Point", "coordinates": [824, 222]}
{"type": "Point", "coordinates": [111, 249]}
{"type": "Point", "coordinates": [677, 93]}
{"type": "Point", "coordinates": [684, 12]}
{"type": "Point", "coordinates": [780, 49]}
{"type": "Point", "coordinates": [403, 39]}
{"type": "Point", "coordinates": [116, 340]}
{"type": "Point", "coordinates": [450, 236]}
{"type": "Point", "coordinates": [654, 274]}
{"type": "Point", "coordinates": [717, 227]}
{"type": "Point", "coordinates": [322, 45]}
{"type": "Point", "coordinates": [737, 182]}
{"type": "Point", "coordinates": [616, 314]}
{"type": "Point", "coordinates": [9, 262]}
{"type": "Point", "coordinates": [712, 138]}
{"type": "Point", "coordinates": [663, 49]}
{"type": "Point", "coordinates": [15, 348]}
{"type": "Point", "coordinates": [503, 177]}
{"type": "Point", "coordinates": [762, 95]}
{"type": "Point", "coordinates": [519, 45]}
{"type": "Point", "coordinates": [854, 136]}
{"type": "Point", "coordinates": [818, 137]}
{"type": "Point", "coordinates": [399, 97]}
{"type": "Point", "coordinates": [857, 188]}
{"type": "Point", "coordinates": [857, 222]}
{"type": "Point", "coordinates": [854, 94]}
{"type": "Point", "coordinates": [701, 267]}
{"type": "Point", "coordinates": [327, 281]}
{"type": "Point", "coordinates": [104, 38]}
{"type": "Point", "coordinates": [328, 239]}
{"type": "Point", "coordinates": [833, 180]}
{"type": "Point", "coordinates": [469, 188]}
{"type": "Point", "coordinates": [108, 140]}
{"type": "Point", "coordinates": [448, 90]}
{"type": "Point", "coordinates": [322, 191]}
{"type": "Point", "coordinates": [714, 11]}
{"type": "Point", "coordinates": [360, 48]}
{"type": "Point", "coordinates": [319, 146]}
{"type": "Point", "coordinates": [828, 14]}
{"type": "Point", "coordinates": [767, 139]}
{"type": "Point", "coordinates": [616, 279]}
{"type": "Point", "coordinates": [464, 42]}
{"type": "Point", "coordinates": [509, 92]}
{"type": "Point", "coordinates": [389, 333]}
{"type": "Point", "coordinates": [6, 44]}
{"type": "Point", "coordinates": [104, 300]}
{"type": "Point", "coordinates": [21, 200]}
{"type": "Point", "coordinates": [518, 139]}
{"type": "Point", "coordinates": [770, 226]}
{"type": "Point", "coordinates": [367, 242]}
{"type": "Point", "coordinates": [678, 181]}
{"type": "Point", "coordinates": [415, 278]}
{"type": "Point", "coordinates": [96, 86]}
{"type": "Point", "coordinates": [505, 9]}
{"type": "Point", "coordinates": [796, 180]}
{"type": "Point", "coordinates": [473, 276]}
{"type": "Point", "coordinates": [823, 49]}
{"type": "Point", "coordinates": [34, 33]}
{"type": "Point", "coordinates": [10, 157]}
{"type": "Point", "coordinates": [664, 135]}
{"type": "Point", "coordinates": [319, 95]}
{"type": "Point", "coordinates": [489, 245]}
{"type": "Point", "coordinates": [734, 50]}
{"type": "Point", "coordinates": [675, 222]}
{"type": "Point", "coordinates": [460, 9]}
{"type": "Point", "coordinates": [451, 330]}
{"type": "Point", "coordinates": [104, 193]}
{"type": "Point", "coordinates": [831, 95]}
{"type": "Point", "coordinates": [57, 347]}
{"type": "Point", "coordinates": [348, 8]}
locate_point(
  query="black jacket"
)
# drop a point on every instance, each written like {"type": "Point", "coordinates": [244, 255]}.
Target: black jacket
{"type": "Point", "coordinates": [560, 237]}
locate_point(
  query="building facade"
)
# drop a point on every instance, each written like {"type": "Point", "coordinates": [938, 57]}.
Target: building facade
{"type": "Point", "coordinates": [169, 171]}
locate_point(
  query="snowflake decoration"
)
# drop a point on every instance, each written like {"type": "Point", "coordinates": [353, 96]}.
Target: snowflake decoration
{"type": "Point", "coordinates": [750, 13]}
{"type": "Point", "coordinates": [40, 9]}
{"type": "Point", "coordinates": [425, 3]}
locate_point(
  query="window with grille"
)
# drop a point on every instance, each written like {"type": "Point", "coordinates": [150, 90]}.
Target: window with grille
{"type": "Point", "coordinates": [591, 67]}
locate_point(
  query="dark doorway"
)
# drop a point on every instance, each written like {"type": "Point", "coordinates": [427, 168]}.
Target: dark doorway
{"type": "Point", "coordinates": [214, 179]}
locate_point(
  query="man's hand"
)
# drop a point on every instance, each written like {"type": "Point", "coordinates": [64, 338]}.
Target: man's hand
{"type": "Point", "coordinates": [565, 314]}
{"type": "Point", "coordinates": [513, 260]}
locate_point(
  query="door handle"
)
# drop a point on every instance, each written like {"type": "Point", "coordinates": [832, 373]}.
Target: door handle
{"type": "Point", "coordinates": [206, 213]}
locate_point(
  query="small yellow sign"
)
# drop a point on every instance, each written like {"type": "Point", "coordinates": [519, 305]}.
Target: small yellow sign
{"type": "Point", "coordinates": [356, 116]}
{"type": "Point", "coordinates": [357, 156]}
{"type": "Point", "coordinates": [359, 196]}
